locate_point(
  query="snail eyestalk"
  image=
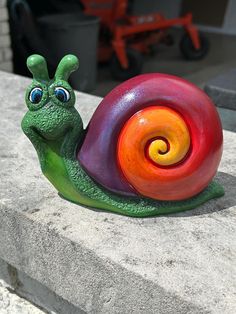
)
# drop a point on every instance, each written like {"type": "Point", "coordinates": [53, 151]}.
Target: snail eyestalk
{"type": "Point", "coordinates": [67, 65]}
{"type": "Point", "coordinates": [37, 65]}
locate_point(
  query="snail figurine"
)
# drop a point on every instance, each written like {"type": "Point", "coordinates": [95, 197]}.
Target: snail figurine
{"type": "Point", "coordinates": [152, 146]}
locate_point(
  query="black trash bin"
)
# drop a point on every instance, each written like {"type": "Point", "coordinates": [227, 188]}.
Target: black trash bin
{"type": "Point", "coordinates": [73, 34]}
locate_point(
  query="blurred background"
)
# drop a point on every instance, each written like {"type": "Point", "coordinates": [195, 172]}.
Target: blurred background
{"type": "Point", "coordinates": [117, 39]}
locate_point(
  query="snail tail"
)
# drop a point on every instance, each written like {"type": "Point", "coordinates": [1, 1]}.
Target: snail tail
{"type": "Point", "coordinates": [95, 196]}
{"type": "Point", "coordinates": [146, 207]}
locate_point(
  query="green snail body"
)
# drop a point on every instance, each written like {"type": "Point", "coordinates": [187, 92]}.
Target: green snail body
{"type": "Point", "coordinates": [55, 128]}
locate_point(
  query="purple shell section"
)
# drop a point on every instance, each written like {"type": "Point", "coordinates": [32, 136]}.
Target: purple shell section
{"type": "Point", "coordinates": [98, 152]}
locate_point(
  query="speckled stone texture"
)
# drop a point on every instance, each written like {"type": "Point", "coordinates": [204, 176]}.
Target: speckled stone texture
{"type": "Point", "coordinates": [222, 90]}
{"type": "Point", "coordinates": [106, 263]}
{"type": "Point", "coordinates": [11, 303]}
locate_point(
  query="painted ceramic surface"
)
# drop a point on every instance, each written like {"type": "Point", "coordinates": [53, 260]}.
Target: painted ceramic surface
{"type": "Point", "coordinates": [152, 147]}
{"type": "Point", "coordinates": [98, 154]}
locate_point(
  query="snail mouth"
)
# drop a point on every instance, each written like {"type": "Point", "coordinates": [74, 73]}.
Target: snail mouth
{"type": "Point", "coordinates": [50, 136]}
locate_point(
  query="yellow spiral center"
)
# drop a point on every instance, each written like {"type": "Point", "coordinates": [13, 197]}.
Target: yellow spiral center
{"type": "Point", "coordinates": [173, 140]}
{"type": "Point", "coordinates": [156, 148]}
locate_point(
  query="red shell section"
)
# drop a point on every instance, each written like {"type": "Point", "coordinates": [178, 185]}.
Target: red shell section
{"type": "Point", "coordinates": [98, 154]}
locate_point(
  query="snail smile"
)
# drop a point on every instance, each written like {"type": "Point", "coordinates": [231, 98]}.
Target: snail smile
{"type": "Point", "coordinates": [51, 136]}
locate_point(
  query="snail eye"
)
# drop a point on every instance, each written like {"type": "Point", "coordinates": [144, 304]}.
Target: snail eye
{"type": "Point", "coordinates": [62, 94]}
{"type": "Point", "coordinates": [36, 95]}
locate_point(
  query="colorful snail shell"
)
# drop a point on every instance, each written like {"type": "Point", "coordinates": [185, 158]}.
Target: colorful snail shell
{"type": "Point", "coordinates": [152, 146]}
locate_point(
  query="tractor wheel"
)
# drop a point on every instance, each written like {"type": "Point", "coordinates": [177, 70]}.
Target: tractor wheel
{"type": "Point", "coordinates": [188, 50]}
{"type": "Point", "coordinates": [135, 65]}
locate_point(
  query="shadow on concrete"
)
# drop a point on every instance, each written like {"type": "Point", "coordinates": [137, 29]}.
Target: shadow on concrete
{"type": "Point", "coordinates": [215, 205]}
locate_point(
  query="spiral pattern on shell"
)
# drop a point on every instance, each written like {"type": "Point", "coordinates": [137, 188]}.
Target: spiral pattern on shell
{"type": "Point", "coordinates": [155, 135]}
{"type": "Point", "coordinates": [153, 138]}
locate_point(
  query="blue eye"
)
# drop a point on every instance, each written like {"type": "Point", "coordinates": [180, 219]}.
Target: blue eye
{"type": "Point", "coordinates": [62, 94]}
{"type": "Point", "coordinates": [36, 95]}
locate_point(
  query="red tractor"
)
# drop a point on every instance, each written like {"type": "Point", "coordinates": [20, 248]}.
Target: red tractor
{"type": "Point", "coordinates": [124, 38]}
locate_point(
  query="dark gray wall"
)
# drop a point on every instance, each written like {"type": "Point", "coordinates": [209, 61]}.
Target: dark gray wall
{"type": "Point", "coordinates": [173, 8]}
{"type": "Point", "coordinates": [170, 8]}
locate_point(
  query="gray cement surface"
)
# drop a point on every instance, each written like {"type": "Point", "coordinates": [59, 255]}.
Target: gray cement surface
{"type": "Point", "coordinates": [11, 303]}
{"type": "Point", "coordinates": [106, 263]}
{"type": "Point", "coordinates": [222, 89]}
{"type": "Point", "coordinates": [16, 288]}
{"type": "Point", "coordinates": [228, 118]}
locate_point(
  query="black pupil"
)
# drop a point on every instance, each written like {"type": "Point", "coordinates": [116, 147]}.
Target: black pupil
{"type": "Point", "coordinates": [61, 95]}
{"type": "Point", "coordinates": [36, 96]}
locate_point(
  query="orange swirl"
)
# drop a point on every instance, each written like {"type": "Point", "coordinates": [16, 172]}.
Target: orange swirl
{"type": "Point", "coordinates": [151, 139]}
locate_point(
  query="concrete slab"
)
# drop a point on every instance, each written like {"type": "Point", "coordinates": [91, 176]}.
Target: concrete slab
{"type": "Point", "coordinates": [100, 262]}
{"type": "Point", "coordinates": [222, 89]}
{"type": "Point", "coordinates": [228, 118]}
{"type": "Point", "coordinates": [11, 303]}
{"type": "Point", "coordinates": [16, 288]}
